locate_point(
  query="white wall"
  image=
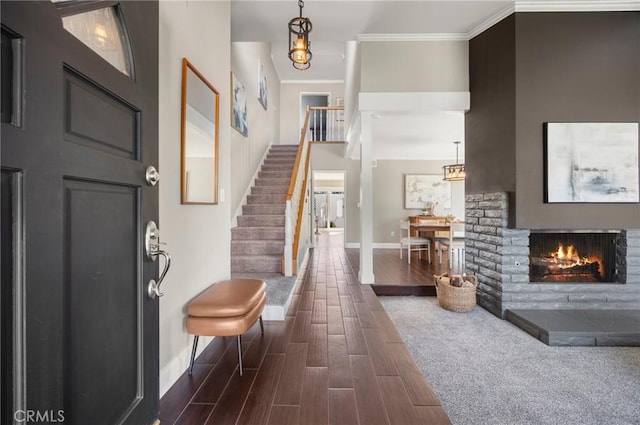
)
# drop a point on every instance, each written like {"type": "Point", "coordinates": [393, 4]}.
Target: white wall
{"type": "Point", "coordinates": [352, 90]}
{"type": "Point", "coordinates": [197, 236]}
{"type": "Point", "coordinates": [263, 125]}
{"type": "Point", "coordinates": [414, 66]}
{"type": "Point", "coordinates": [352, 80]}
{"type": "Point", "coordinates": [290, 106]}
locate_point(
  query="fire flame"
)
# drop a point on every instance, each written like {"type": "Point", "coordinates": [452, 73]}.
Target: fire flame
{"type": "Point", "coordinates": [569, 257]}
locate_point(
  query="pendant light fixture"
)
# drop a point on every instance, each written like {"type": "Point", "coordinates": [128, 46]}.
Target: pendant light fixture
{"type": "Point", "coordinates": [454, 172]}
{"type": "Point", "coordinates": [299, 50]}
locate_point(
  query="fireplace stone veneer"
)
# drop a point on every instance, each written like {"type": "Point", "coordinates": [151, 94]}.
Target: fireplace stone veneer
{"type": "Point", "coordinates": [499, 256]}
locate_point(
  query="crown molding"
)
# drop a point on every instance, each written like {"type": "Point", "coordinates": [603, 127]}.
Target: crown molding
{"type": "Point", "coordinates": [517, 6]}
{"type": "Point", "coordinates": [556, 6]}
{"type": "Point", "coordinates": [413, 37]}
{"type": "Point", "coordinates": [577, 6]}
{"type": "Point", "coordinates": [491, 21]}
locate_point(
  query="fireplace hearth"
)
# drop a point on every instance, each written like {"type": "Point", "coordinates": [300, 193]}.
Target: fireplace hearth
{"type": "Point", "coordinates": [558, 257]}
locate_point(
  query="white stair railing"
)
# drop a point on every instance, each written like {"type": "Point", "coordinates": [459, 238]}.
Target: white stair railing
{"type": "Point", "coordinates": [326, 124]}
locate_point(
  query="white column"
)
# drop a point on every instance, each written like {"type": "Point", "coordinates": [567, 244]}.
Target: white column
{"type": "Point", "coordinates": [365, 275]}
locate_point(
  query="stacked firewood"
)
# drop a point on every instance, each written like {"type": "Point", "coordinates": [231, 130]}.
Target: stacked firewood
{"type": "Point", "coordinates": [459, 281]}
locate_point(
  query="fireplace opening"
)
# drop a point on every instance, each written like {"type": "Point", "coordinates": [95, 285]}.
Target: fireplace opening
{"type": "Point", "coordinates": [572, 257]}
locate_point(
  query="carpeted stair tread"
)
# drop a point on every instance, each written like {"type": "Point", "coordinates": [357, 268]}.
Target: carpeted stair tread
{"type": "Point", "coordinates": [270, 190]}
{"type": "Point", "coordinates": [267, 209]}
{"type": "Point", "coordinates": [279, 160]}
{"type": "Point", "coordinates": [257, 233]}
{"type": "Point", "coordinates": [276, 167]}
{"type": "Point", "coordinates": [256, 263]}
{"type": "Point", "coordinates": [281, 174]}
{"type": "Point", "coordinates": [265, 199]}
{"type": "Point", "coordinates": [273, 247]}
{"type": "Point", "coordinates": [272, 181]}
{"type": "Point", "coordinates": [261, 221]}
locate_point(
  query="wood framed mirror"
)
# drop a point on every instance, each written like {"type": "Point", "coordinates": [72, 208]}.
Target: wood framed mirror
{"type": "Point", "coordinates": [199, 134]}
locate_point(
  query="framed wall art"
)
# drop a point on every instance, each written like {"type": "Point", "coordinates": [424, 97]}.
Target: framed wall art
{"type": "Point", "coordinates": [591, 162]}
{"type": "Point", "coordinates": [263, 92]}
{"type": "Point", "coordinates": [238, 106]}
{"type": "Point", "coordinates": [423, 191]}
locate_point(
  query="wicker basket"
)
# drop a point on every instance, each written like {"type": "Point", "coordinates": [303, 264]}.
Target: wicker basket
{"type": "Point", "coordinates": [458, 299]}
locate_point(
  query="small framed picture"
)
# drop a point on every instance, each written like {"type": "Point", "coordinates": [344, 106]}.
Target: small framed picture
{"type": "Point", "coordinates": [263, 91]}
{"type": "Point", "coordinates": [238, 106]}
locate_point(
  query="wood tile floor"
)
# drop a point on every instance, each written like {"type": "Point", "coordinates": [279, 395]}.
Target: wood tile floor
{"type": "Point", "coordinates": [336, 359]}
{"type": "Point", "coordinates": [395, 276]}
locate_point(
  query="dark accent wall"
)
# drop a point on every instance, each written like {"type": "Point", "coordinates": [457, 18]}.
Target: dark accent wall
{"type": "Point", "coordinates": [572, 67]}
{"type": "Point", "coordinates": [567, 67]}
{"type": "Point", "coordinates": [490, 124]}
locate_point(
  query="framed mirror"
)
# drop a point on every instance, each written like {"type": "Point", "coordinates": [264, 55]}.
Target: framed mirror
{"type": "Point", "coordinates": [199, 127]}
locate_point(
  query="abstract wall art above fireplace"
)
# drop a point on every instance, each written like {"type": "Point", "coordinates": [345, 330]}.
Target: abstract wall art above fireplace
{"type": "Point", "coordinates": [591, 162]}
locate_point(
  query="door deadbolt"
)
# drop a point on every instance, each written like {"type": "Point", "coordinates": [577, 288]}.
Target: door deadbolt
{"type": "Point", "coordinates": [151, 175]}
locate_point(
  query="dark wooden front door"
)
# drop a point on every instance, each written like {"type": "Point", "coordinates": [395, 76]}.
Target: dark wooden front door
{"type": "Point", "coordinates": [80, 335]}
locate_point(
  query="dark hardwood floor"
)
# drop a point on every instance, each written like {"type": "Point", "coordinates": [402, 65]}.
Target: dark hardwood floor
{"type": "Point", "coordinates": [336, 359]}
{"type": "Point", "coordinates": [395, 276]}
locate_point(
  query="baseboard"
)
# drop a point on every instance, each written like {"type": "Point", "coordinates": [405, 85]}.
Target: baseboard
{"type": "Point", "coordinates": [387, 245]}
{"type": "Point", "coordinates": [378, 245]}
{"type": "Point", "coordinates": [176, 367]}
{"type": "Point", "coordinates": [276, 312]}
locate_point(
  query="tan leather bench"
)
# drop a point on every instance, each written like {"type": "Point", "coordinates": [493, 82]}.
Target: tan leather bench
{"type": "Point", "coordinates": [227, 308]}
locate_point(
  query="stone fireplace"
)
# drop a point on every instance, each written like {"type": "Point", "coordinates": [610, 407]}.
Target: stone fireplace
{"type": "Point", "coordinates": [533, 269]}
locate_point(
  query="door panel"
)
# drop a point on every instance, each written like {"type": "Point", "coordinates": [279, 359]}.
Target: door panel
{"type": "Point", "coordinates": [95, 295]}
{"type": "Point", "coordinates": [88, 133]}
{"type": "Point", "coordinates": [83, 103]}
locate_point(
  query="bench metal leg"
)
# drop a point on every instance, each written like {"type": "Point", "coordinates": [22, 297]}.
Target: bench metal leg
{"type": "Point", "coordinates": [240, 353]}
{"type": "Point", "coordinates": [261, 325]}
{"type": "Point", "coordinates": [193, 353]}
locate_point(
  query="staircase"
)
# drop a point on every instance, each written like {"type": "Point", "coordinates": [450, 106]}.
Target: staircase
{"type": "Point", "coordinates": [257, 244]}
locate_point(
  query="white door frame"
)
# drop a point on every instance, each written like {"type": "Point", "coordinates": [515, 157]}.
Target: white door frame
{"type": "Point", "coordinates": [312, 224]}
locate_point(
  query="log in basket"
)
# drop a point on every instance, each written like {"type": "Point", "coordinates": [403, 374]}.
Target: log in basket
{"type": "Point", "coordinates": [459, 299]}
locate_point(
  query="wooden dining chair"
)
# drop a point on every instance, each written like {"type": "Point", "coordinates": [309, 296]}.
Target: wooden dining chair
{"type": "Point", "coordinates": [454, 244]}
{"type": "Point", "coordinates": [413, 243]}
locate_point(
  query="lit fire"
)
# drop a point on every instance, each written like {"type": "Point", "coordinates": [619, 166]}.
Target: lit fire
{"type": "Point", "coordinates": [569, 257]}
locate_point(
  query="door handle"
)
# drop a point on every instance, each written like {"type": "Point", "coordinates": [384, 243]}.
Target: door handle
{"type": "Point", "coordinates": [152, 250]}
{"type": "Point", "coordinates": [153, 289]}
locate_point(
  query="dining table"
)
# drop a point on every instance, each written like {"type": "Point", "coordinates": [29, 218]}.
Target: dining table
{"type": "Point", "coordinates": [428, 226]}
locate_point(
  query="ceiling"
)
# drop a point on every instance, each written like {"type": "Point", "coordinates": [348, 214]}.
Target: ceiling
{"type": "Point", "coordinates": [336, 22]}
{"type": "Point", "coordinates": [397, 136]}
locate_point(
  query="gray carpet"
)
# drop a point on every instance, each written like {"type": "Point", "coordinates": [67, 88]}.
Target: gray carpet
{"type": "Point", "coordinates": [278, 287]}
{"type": "Point", "coordinates": [487, 371]}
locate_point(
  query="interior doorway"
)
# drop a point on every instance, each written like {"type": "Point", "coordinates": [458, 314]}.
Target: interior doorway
{"type": "Point", "coordinates": [328, 213]}
{"type": "Point", "coordinates": [317, 129]}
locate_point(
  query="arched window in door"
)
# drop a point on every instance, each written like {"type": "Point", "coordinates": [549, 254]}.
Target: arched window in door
{"type": "Point", "coordinates": [100, 26]}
